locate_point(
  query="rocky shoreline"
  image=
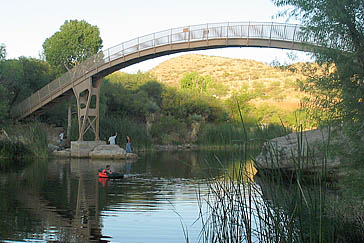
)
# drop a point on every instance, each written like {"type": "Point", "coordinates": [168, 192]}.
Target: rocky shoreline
{"type": "Point", "coordinates": [107, 151]}
{"type": "Point", "coordinates": [304, 152]}
{"type": "Point", "coordinates": [300, 150]}
{"type": "Point", "coordinates": [98, 150]}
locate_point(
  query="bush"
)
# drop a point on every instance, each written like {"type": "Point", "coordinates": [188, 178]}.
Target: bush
{"type": "Point", "coordinates": [27, 141]}
{"type": "Point", "coordinates": [169, 130]}
{"type": "Point", "coordinates": [12, 150]}
{"type": "Point", "coordinates": [125, 127]}
{"type": "Point", "coordinates": [222, 134]}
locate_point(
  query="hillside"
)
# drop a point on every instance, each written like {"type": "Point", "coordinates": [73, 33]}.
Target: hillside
{"type": "Point", "coordinates": [276, 86]}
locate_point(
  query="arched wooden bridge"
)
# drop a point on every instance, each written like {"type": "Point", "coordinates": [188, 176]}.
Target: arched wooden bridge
{"type": "Point", "coordinates": [85, 79]}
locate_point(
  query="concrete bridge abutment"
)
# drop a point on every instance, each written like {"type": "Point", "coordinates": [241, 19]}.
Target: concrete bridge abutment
{"type": "Point", "coordinates": [81, 149]}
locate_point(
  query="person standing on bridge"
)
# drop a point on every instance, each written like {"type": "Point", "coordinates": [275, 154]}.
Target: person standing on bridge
{"type": "Point", "coordinates": [128, 145]}
{"type": "Point", "coordinates": [112, 139]}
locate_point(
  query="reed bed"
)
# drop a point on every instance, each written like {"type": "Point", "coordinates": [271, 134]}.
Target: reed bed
{"type": "Point", "coordinates": [230, 134]}
{"type": "Point", "coordinates": [275, 206]}
{"type": "Point", "coordinates": [28, 141]}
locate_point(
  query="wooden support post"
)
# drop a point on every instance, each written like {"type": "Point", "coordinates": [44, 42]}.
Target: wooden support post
{"type": "Point", "coordinates": [87, 97]}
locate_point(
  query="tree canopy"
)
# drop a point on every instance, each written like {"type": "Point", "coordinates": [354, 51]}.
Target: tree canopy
{"type": "Point", "coordinates": [337, 25]}
{"type": "Point", "coordinates": [193, 81]}
{"type": "Point", "coordinates": [72, 44]}
{"type": "Point", "coordinates": [2, 52]}
{"type": "Point", "coordinates": [21, 77]}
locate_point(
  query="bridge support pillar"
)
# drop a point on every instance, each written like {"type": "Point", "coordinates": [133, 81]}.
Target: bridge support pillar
{"type": "Point", "coordinates": [87, 96]}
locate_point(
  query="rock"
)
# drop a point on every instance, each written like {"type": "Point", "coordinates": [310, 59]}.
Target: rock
{"type": "Point", "coordinates": [81, 149]}
{"type": "Point", "coordinates": [296, 151]}
{"type": "Point", "coordinates": [94, 150]}
{"type": "Point", "coordinates": [52, 147]}
{"type": "Point", "coordinates": [195, 128]}
{"type": "Point", "coordinates": [110, 152]}
{"type": "Point", "coordinates": [131, 156]}
{"type": "Point", "coordinates": [170, 147]}
{"type": "Point", "coordinates": [62, 153]}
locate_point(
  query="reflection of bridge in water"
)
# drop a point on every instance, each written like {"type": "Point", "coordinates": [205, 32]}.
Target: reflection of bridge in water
{"type": "Point", "coordinates": [74, 215]}
{"type": "Point", "coordinates": [63, 200]}
{"type": "Point", "coordinates": [85, 79]}
{"type": "Point", "coordinates": [70, 202]}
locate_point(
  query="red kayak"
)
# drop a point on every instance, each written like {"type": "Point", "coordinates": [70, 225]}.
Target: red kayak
{"type": "Point", "coordinates": [114, 175]}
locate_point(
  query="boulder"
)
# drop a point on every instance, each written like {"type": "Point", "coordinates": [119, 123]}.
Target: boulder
{"type": "Point", "coordinates": [111, 151]}
{"type": "Point", "coordinates": [62, 153]}
{"type": "Point", "coordinates": [81, 149]}
{"type": "Point", "coordinates": [304, 151]}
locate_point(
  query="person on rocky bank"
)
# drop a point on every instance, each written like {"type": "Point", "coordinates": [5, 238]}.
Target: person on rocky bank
{"type": "Point", "coordinates": [128, 145]}
{"type": "Point", "coordinates": [112, 139]}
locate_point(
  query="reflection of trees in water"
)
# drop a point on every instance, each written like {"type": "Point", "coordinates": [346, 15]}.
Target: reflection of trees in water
{"type": "Point", "coordinates": [177, 164]}
{"type": "Point", "coordinates": [236, 210]}
{"type": "Point", "coordinates": [52, 203]}
{"type": "Point", "coordinates": [301, 209]}
{"type": "Point", "coordinates": [62, 198]}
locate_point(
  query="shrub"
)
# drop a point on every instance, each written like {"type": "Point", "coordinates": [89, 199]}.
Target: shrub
{"type": "Point", "coordinates": [169, 130]}
{"type": "Point", "coordinates": [12, 150]}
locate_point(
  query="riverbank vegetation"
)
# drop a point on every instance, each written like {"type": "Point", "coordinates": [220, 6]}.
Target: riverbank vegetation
{"type": "Point", "coordinates": [199, 110]}
{"type": "Point", "coordinates": [213, 101]}
{"type": "Point", "coordinates": [19, 78]}
{"type": "Point", "coordinates": [23, 141]}
{"type": "Point", "coordinates": [293, 211]}
{"type": "Point", "coordinates": [278, 205]}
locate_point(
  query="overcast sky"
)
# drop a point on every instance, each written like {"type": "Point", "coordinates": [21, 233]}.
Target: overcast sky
{"type": "Point", "coordinates": [25, 24]}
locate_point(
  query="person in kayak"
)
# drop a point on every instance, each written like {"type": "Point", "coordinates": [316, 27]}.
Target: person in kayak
{"type": "Point", "coordinates": [106, 172]}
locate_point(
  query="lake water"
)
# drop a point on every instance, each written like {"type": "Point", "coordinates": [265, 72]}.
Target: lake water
{"type": "Point", "coordinates": [63, 200]}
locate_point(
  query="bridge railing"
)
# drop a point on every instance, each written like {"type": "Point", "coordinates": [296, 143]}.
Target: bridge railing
{"type": "Point", "coordinates": [229, 30]}
{"type": "Point", "coordinates": [273, 31]}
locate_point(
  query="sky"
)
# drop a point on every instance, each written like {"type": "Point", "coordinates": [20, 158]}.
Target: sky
{"type": "Point", "coordinates": [25, 25]}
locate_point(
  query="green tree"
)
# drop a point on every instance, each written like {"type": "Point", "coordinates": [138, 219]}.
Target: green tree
{"type": "Point", "coordinates": [21, 77]}
{"type": "Point", "coordinates": [338, 27]}
{"type": "Point", "coordinates": [2, 52]}
{"type": "Point", "coordinates": [3, 92]}
{"type": "Point", "coordinates": [248, 110]}
{"type": "Point", "coordinates": [193, 81]}
{"type": "Point", "coordinates": [72, 44]}
{"type": "Point", "coordinates": [3, 105]}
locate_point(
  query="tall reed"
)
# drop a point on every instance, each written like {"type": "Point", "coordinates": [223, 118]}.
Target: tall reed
{"type": "Point", "coordinates": [26, 141]}
{"type": "Point", "coordinates": [12, 150]}
{"type": "Point", "coordinates": [220, 134]}
{"type": "Point", "coordinates": [35, 138]}
{"type": "Point", "coordinates": [276, 206]}
{"type": "Point", "coordinates": [125, 127]}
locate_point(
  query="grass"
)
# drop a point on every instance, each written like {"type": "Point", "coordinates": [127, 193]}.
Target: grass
{"type": "Point", "coordinates": [234, 134]}
{"type": "Point", "coordinates": [27, 141]}
{"type": "Point", "coordinates": [12, 150]}
{"type": "Point", "coordinates": [277, 205]}
{"type": "Point", "coordinates": [125, 127]}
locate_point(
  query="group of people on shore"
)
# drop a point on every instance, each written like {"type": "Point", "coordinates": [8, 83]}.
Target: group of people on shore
{"type": "Point", "coordinates": [112, 140]}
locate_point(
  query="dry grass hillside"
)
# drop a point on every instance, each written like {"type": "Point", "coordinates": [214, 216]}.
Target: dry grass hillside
{"type": "Point", "coordinates": [277, 86]}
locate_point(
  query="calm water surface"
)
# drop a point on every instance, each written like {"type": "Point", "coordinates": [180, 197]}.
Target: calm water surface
{"type": "Point", "coordinates": [63, 200]}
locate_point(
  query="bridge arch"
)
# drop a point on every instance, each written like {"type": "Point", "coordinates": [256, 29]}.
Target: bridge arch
{"type": "Point", "coordinates": [84, 80]}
